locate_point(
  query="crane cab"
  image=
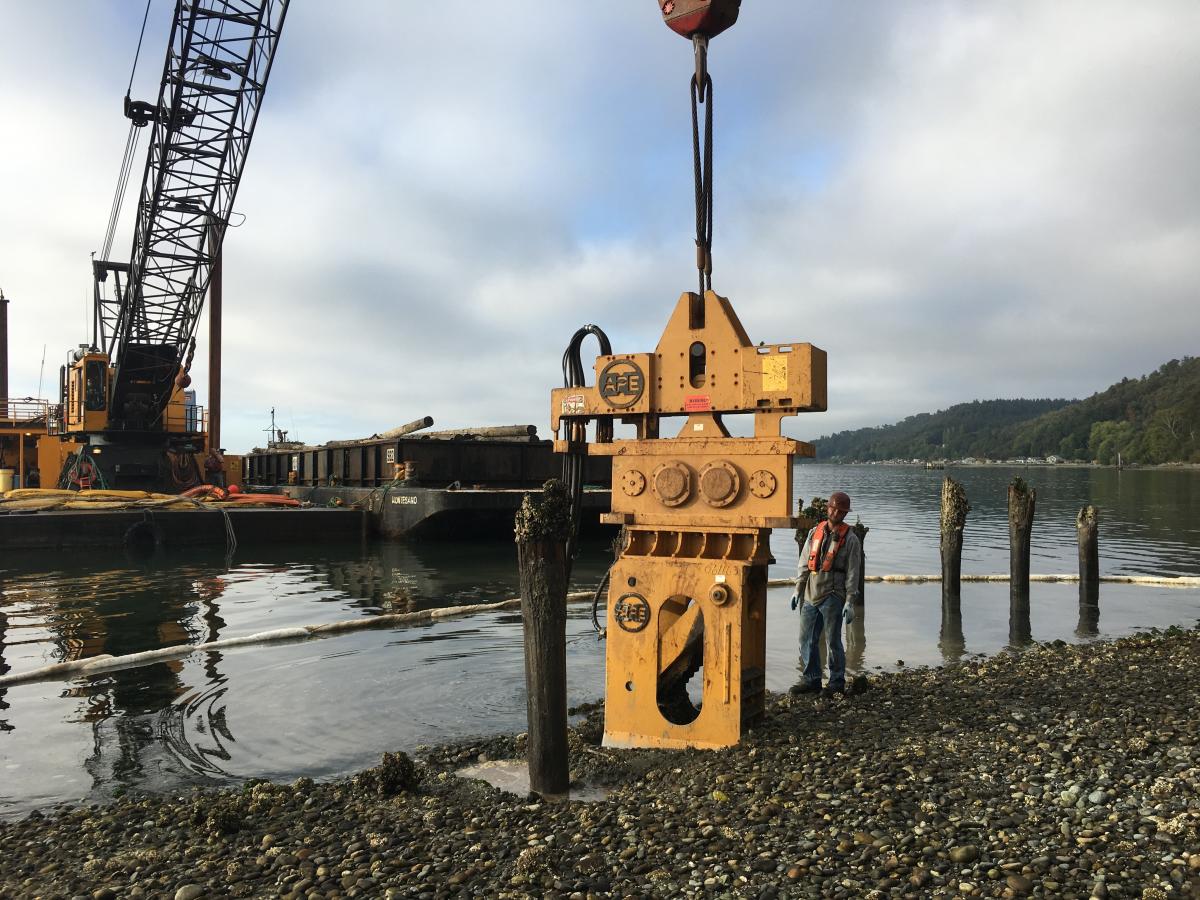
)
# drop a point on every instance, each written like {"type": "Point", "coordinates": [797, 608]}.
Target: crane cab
{"type": "Point", "coordinates": [87, 400]}
{"type": "Point", "coordinates": [86, 391]}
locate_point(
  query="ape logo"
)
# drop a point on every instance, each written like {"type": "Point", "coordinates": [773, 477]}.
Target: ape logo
{"type": "Point", "coordinates": [621, 383]}
{"type": "Point", "coordinates": [632, 612]}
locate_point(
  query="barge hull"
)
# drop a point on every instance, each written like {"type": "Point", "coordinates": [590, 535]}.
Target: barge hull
{"type": "Point", "coordinates": [145, 530]}
{"type": "Point", "coordinates": [422, 513]}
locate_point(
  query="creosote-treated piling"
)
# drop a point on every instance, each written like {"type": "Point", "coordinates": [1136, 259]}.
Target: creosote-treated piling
{"type": "Point", "coordinates": [809, 517]}
{"type": "Point", "coordinates": [861, 530]}
{"type": "Point", "coordinates": [1087, 526]}
{"type": "Point", "coordinates": [1021, 501]}
{"type": "Point", "coordinates": [856, 631]}
{"type": "Point", "coordinates": [954, 518]}
{"type": "Point", "coordinates": [543, 525]}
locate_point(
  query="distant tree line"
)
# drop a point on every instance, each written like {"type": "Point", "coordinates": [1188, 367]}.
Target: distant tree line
{"type": "Point", "coordinates": [1152, 419]}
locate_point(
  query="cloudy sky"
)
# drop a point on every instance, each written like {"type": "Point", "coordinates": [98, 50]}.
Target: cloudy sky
{"type": "Point", "coordinates": [956, 201]}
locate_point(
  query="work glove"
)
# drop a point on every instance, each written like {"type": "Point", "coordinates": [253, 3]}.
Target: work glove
{"type": "Point", "coordinates": [795, 601]}
{"type": "Point", "coordinates": [848, 613]}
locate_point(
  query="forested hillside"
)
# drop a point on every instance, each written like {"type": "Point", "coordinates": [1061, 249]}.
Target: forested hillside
{"type": "Point", "coordinates": [1152, 419]}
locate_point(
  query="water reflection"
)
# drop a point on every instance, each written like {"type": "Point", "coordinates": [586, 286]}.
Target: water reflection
{"type": "Point", "coordinates": [195, 729]}
{"type": "Point", "coordinates": [122, 707]}
{"type": "Point", "coordinates": [951, 642]}
{"type": "Point", "coordinates": [1089, 620]}
{"type": "Point", "coordinates": [395, 577]}
{"type": "Point", "coordinates": [856, 639]}
{"type": "Point", "coordinates": [1089, 609]}
{"type": "Point", "coordinates": [5, 725]}
{"type": "Point", "coordinates": [1020, 632]}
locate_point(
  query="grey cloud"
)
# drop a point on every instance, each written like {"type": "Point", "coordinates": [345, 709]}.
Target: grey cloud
{"type": "Point", "coordinates": [956, 202]}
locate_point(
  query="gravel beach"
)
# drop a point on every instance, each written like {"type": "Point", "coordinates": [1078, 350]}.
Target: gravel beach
{"type": "Point", "coordinates": [1065, 770]}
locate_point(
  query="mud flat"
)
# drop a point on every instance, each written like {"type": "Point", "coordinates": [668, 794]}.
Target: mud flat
{"type": "Point", "coordinates": [1066, 770]}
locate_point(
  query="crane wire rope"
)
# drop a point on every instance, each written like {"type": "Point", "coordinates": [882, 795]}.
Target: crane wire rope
{"type": "Point", "coordinates": [138, 51]}
{"type": "Point", "coordinates": [130, 151]}
{"type": "Point", "coordinates": [119, 194]}
{"type": "Point", "coordinates": [702, 158]}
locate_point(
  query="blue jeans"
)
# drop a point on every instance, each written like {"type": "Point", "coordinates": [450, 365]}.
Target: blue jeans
{"type": "Point", "coordinates": [814, 618]}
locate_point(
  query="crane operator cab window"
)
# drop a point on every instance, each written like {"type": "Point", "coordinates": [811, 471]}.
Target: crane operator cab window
{"type": "Point", "coordinates": [94, 387]}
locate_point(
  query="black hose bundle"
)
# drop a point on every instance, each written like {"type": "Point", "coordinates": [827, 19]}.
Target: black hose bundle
{"type": "Point", "coordinates": [576, 431]}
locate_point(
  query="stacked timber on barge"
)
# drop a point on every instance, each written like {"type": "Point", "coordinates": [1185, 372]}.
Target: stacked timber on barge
{"type": "Point", "coordinates": [459, 484]}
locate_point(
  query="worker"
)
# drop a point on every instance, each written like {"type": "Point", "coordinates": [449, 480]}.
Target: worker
{"type": "Point", "coordinates": [33, 479]}
{"type": "Point", "coordinates": [826, 591]}
{"type": "Point", "coordinates": [214, 467]}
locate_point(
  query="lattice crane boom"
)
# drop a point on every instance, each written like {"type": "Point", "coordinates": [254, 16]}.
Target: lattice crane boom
{"type": "Point", "coordinates": [214, 77]}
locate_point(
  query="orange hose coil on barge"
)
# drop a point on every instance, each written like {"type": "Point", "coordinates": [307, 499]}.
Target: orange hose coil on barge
{"type": "Point", "coordinates": [211, 493]}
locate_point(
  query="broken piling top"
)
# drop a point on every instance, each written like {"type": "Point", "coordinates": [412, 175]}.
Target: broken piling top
{"type": "Point", "coordinates": [1088, 518]}
{"type": "Point", "coordinates": [544, 516]}
{"type": "Point", "coordinates": [1021, 502]}
{"type": "Point", "coordinates": [954, 505]}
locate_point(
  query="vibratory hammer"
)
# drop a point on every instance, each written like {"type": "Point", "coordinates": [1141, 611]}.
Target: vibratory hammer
{"type": "Point", "coordinates": [687, 594]}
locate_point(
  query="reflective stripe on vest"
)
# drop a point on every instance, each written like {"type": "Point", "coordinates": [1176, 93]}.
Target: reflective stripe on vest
{"type": "Point", "coordinates": [835, 545]}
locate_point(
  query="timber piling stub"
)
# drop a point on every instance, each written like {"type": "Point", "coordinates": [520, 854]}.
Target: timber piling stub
{"type": "Point", "coordinates": [954, 518]}
{"type": "Point", "coordinates": [543, 525]}
{"type": "Point", "coordinates": [1087, 527]}
{"type": "Point", "coordinates": [1021, 502]}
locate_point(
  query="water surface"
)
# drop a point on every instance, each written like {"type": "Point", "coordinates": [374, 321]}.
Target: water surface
{"type": "Point", "coordinates": [322, 708]}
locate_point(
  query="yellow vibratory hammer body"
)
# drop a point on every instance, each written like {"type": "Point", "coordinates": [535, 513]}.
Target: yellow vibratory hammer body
{"type": "Point", "coordinates": [688, 592]}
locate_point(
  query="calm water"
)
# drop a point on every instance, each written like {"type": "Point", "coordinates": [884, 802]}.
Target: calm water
{"type": "Point", "coordinates": [322, 708]}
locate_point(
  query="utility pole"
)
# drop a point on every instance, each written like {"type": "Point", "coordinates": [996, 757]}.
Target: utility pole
{"type": "Point", "coordinates": [3, 353]}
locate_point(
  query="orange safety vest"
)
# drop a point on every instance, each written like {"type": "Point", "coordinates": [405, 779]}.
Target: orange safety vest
{"type": "Point", "coordinates": [839, 538]}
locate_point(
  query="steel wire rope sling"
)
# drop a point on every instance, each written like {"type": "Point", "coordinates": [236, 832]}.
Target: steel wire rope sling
{"type": "Point", "coordinates": [698, 21]}
{"type": "Point", "coordinates": [702, 161]}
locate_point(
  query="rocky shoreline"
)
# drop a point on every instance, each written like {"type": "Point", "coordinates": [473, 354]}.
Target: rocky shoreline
{"type": "Point", "coordinates": [1066, 770]}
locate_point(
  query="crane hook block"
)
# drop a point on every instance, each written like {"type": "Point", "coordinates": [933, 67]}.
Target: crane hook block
{"type": "Point", "coordinates": [707, 18]}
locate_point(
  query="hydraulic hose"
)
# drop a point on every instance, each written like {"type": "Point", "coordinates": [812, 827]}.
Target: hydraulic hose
{"type": "Point", "coordinates": [576, 431]}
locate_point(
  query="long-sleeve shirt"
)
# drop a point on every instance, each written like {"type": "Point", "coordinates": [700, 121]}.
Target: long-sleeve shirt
{"type": "Point", "coordinates": [813, 587]}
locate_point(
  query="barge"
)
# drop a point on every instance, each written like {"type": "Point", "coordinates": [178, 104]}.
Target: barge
{"type": "Point", "coordinates": [457, 485]}
{"type": "Point", "coordinates": [463, 484]}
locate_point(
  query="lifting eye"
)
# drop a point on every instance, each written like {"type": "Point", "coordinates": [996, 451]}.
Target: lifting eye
{"type": "Point", "coordinates": [697, 361]}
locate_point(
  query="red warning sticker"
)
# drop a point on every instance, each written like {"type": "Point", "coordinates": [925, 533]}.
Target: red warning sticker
{"type": "Point", "coordinates": [697, 403]}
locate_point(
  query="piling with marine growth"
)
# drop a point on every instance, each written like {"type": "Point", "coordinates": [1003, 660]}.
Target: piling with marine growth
{"type": "Point", "coordinates": [954, 518]}
{"type": "Point", "coordinates": [543, 525]}
{"type": "Point", "coordinates": [1087, 526]}
{"type": "Point", "coordinates": [861, 531]}
{"type": "Point", "coordinates": [1021, 501]}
